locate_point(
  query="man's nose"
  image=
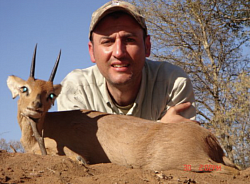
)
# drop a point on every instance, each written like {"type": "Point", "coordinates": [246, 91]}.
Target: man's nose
{"type": "Point", "coordinates": [119, 49]}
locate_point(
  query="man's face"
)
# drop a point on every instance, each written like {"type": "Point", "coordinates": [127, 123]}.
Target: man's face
{"type": "Point", "coordinates": [119, 49]}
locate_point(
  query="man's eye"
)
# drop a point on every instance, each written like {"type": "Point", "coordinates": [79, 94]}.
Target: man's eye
{"type": "Point", "coordinates": [130, 40]}
{"type": "Point", "coordinates": [106, 42]}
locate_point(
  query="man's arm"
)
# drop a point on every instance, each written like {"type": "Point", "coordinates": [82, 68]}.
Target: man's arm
{"type": "Point", "coordinates": [173, 114]}
{"type": "Point", "coordinates": [181, 106]}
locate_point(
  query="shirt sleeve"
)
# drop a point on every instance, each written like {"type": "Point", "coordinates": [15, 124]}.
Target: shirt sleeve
{"type": "Point", "coordinates": [182, 92]}
{"type": "Point", "coordinates": [81, 89]}
{"type": "Point", "coordinates": [66, 100]}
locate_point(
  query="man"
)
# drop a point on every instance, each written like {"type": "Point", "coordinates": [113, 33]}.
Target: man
{"type": "Point", "coordinates": [123, 81]}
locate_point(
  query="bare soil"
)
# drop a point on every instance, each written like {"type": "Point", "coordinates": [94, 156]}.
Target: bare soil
{"type": "Point", "coordinates": [31, 168]}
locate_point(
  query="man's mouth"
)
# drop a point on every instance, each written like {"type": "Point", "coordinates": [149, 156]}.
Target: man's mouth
{"type": "Point", "coordinates": [120, 65]}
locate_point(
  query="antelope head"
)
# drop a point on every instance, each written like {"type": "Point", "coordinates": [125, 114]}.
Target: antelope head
{"type": "Point", "coordinates": [36, 96]}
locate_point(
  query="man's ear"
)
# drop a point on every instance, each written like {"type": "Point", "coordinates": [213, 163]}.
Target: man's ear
{"type": "Point", "coordinates": [14, 84]}
{"type": "Point", "coordinates": [91, 51]}
{"type": "Point", "coordinates": [147, 46]}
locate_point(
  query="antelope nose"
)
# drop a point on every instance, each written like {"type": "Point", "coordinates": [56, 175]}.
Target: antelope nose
{"type": "Point", "coordinates": [37, 104]}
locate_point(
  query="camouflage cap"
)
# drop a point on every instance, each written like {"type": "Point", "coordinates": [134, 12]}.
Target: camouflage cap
{"type": "Point", "coordinates": [114, 6]}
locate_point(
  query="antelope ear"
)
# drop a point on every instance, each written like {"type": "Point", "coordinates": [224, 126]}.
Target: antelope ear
{"type": "Point", "coordinates": [57, 89]}
{"type": "Point", "coordinates": [14, 83]}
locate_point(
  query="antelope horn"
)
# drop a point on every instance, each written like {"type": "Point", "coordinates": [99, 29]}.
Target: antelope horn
{"type": "Point", "coordinates": [53, 73]}
{"type": "Point", "coordinates": [33, 63]}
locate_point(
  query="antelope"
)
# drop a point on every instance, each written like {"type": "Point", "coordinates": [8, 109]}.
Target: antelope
{"type": "Point", "coordinates": [97, 137]}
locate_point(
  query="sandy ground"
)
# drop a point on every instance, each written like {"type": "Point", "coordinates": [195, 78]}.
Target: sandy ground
{"type": "Point", "coordinates": [30, 168]}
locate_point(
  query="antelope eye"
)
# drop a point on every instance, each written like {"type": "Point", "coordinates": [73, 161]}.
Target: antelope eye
{"type": "Point", "coordinates": [24, 89]}
{"type": "Point", "coordinates": [51, 96]}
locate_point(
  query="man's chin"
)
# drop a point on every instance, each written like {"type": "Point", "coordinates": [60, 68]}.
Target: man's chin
{"type": "Point", "coordinates": [121, 82]}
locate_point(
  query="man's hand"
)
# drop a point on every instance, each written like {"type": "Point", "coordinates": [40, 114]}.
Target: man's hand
{"type": "Point", "coordinates": [173, 116]}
